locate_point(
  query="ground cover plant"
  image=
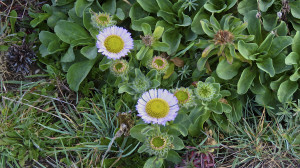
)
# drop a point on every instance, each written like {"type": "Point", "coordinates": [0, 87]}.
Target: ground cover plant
{"type": "Point", "coordinates": [150, 83]}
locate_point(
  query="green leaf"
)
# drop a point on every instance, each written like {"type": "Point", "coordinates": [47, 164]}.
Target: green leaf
{"type": "Point", "coordinates": [152, 74]}
{"type": "Point", "coordinates": [61, 2]}
{"type": "Point", "coordinates": [169, 71]}
{"type": "Point", "coordinates": [266, 44]}
{"type": "Point", "coordinates": [137, 24]}
{"type": "Point", "coordinates": [226, 108]}
{"type": "Point", "coordinates": [181, 128]}
{"type": "Point", "coordinates": [136, 132]}
{"type": "Point", "coordinates": [207, 30]}
{"type": "Point", "coordinates": [196, 127]}
{"type": "Point", "coordinates": [142, 149]}
{"type": "Point", "coordinates": [149, 5]}
{"type": "Point", "coordinates": [126, 89]}
{"type": "Point", "coordinates": [158, 31]}
{"type": "Point", "coordinates": [39, 19]}
{"type": "Point", "coordinates": [146, 29]}
{"type": "Point", "coordinates": [140, 55]}
{"type": "Point", "coordinates": [279, 43]}
{"type": "Point", "coordinates": [296, 43]}
{"type": "Point", "coordinates": [55, 17]}
{"type": "Point", "coordinates": [279, 65]}
{"type": "Point", "coordinates": [257, 87]}
{"type": "Point", "coordinates": [254, 27]}
{"type": "Point", "coordinates": [246, 6]}
{"type": "Point", "coordinates": [182, 52]}
{"type": "Point", "coordinates": [51, 43]}
{"type": "Point", "coordinates": [88, 25]}
{"type": "Point", "coordinates": [186, 21]}
{"type": "Point", "coordinates": [137, 12]}
{"type": "Point", "coordinates": [120, 14]}
{"type": "Point", "coordinates": [147, 57]}
{"type": "Point", "coordinates": [292, 59]}
{"type": "Point", "coordinates": [201, 63]}
{"type": "Point", "coordinates": [160, 46]}
{"type": "Point", "coordinates": [109, 6]}
{"type": "Point", "coordinates": [74, 18]}
{"type": "Point", "coordinates": [245, 80]}
{"type": "Point", "coordinates": [196, 25]}
{"type": "Point", "coordinates": [267, 66]}
{"type": "Point", "coordinates": [154, 162]}
{"type": "Point", "coordinates": [207, 51]}
{"type": "Point", "coordinates": [47, 37]}
{"type": "Point", "coordinates": [237, 111]}
{"type": "Point", "coordinates": [274, 85]}
{"type": "Point", "coordinates": [173, 157]}
{"type": "Point", "coordinates": [165, 5]}
{"type": "Point", "coordinates": [265, 4]}
{"type": "Point", "coordinates": [270, 21]}
{"type": "Point", "coordinates": [89, 52]}
{"type": "Point", "coordinates": [227, 71]}
{"type": "Point", "coordinates": [104, 64]}
{"type": "Point", "coordinates": [173, 38]}
{"type": "Point", "coordinates": [221, 121]}
{"type": "Point", "coordinates": [247, 49]}
{"type": "Point", "coordinates": [164, 24]}
{"type": "Point", "coordinates": [12, 19]}
{"type": "Point", "coordinates": [295, 8]}
{"type": "Point", "coordinates": [239, 29]}
{"type": "Point", "coordinates": [71, 33]}
{"type": "Point", "coordinates": [155, 83]}
{"type": "Point", "coordinates": [69, 56]}
{"type": "Point", "coordinates": [230, 4]}
{"type": "Point", "coordinates": [225, 25]}
{"type": "Point", "coordinates": [214, 23]}
{"type": "Point", "coordinates": [80, 6]}
{"type": "Point", "coordinates": [167, 16]}
{"type": "Point", "coordinates": [216, 107]}
{"type": "Point", "coordinates": [286, 90]}
{"type": "Point", "coordinates": [296, 75]}
{"type": "Point", "coordinates": [282, 29]}
{"type": "Point", "coordinates": [296, 24]}
{"type": "Point", "coordinates": [215, 6]}
{"type": "Point", "coordinates": [178, 143]}
{"type": "Point", "coordinates": [43, 50]}
{"type": "Point", "coordinates": [77, 72]}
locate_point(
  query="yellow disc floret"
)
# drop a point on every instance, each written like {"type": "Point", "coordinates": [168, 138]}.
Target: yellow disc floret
{"type": "Point", "coordinates": [157, 108]}
{"type": "Point", "coordinates": [158, 143]}
{"type": "Point", "coordinates": [103, 18]}
{"type": "Point", "coordinates": [114, 44]}
{"type": "Point", "coordinates": [182, 96]}
{"type": "Point", "coordinates": [159, 62]}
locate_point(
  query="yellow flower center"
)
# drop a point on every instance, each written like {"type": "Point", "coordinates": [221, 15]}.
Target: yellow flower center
{"type": "Point", "coordinates": [157, 108]}
{"type": "Point", "coordinates": [159, 62]}
{"type": "Point", "coordinates": [114, 44]}
{"type": "Point", "coordinates": [119, 66]}
{"type": "Point", "coordinates": [103, 18]}
{"type": "Point", "coordinates": [182, 96]}
{"type": "Point", "coordinates": [158, 143]}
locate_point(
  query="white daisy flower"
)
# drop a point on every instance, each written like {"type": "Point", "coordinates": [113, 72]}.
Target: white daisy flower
{"type": "Point", "coordinates": [157, 106]}
{"type": "Point", "coordinates": [114, 42]}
